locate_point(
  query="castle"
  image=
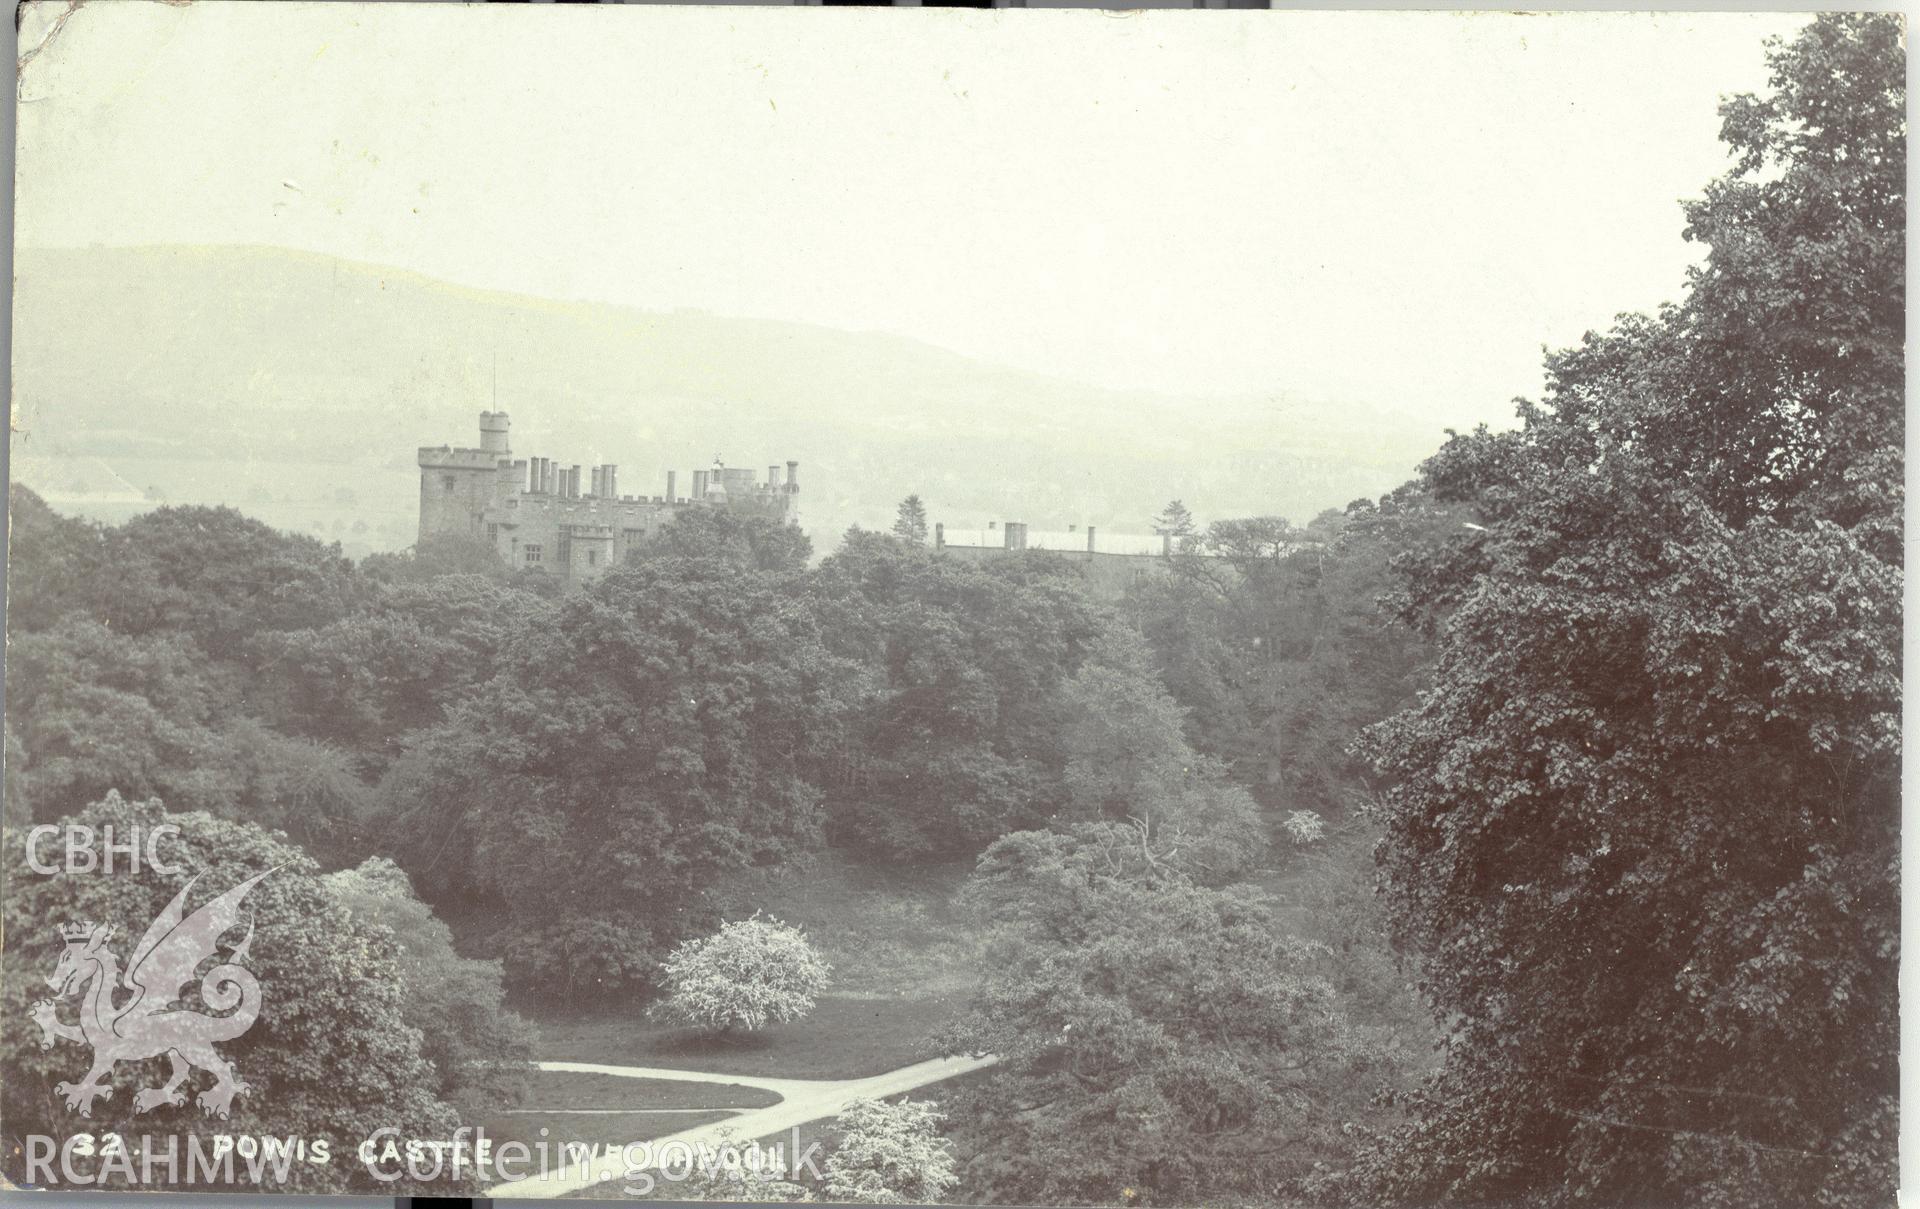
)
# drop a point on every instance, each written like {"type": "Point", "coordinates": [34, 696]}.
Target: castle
{"type": "Point", "coordinates": [539, 514]}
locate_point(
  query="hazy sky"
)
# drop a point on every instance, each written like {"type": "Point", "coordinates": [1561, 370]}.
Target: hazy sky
{"type": "Point", "coordinates": [1394, 208]}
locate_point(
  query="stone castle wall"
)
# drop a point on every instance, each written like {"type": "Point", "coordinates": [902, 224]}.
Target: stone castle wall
{"type": "Point", "coordinates": [544, 516]}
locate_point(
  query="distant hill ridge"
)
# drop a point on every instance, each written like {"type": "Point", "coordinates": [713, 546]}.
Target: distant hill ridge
{"type": "Point", "coordinates": [296, 386]}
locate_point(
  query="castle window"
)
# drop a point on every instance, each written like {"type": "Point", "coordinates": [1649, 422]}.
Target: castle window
{"type": "Point", "coordinates": [533, 554]}
{"type": "Point", "coordinates": [593, 558]}
{"type": "Point", "coordinates": [446, 480]}
{"type": "Point", "coordinates": [493, 534]}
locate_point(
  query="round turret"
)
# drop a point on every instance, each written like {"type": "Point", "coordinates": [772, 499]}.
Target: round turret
{"type": "Point", "coordinates": [493, 432]}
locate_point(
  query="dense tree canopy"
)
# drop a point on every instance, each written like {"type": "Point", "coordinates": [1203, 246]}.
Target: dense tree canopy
{"type": "Point", "coordinates": [333, 1054]}
{"type": "Point", "coordinates": [1279, 644]}
{"type": "Point", "coordinates": [222, 578]}
{"type": "Point", "coordinates": [96, 710]}
{"type": "Point", "coordinates": [889, 1153]}
{"type": "Point", "coordinates": [393, 666]}
{"type": "Point", "coordinates": [55, 563]}
{"type": "Point", "coordinates": [956, 739]}
{"type": "Point", "coordinates": [1644, 826]}
{"type": "Point", "coordinates": [647, 736]}
{"type": "Point", "coordinates": [743, 539]}
{"type": "Point", "coordinates": [1159, 1042]}
{"type": "Point", "coordinates": [440, 554]}
{"type": "Point", "coordinates": [480, 1052]}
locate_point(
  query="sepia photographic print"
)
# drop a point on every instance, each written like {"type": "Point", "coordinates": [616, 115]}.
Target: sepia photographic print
{"type": "Point", "coordinates": [1258, 610]}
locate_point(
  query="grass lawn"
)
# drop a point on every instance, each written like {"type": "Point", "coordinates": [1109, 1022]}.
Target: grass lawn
{"type": "Point", "coordinates": [888, 928]}
{"type": "Point", "coordinates": [903, 961]}
{"type": "Point", "coordinates": [550, 1089]}
{"type": "Point", "coordinates": [844, 1038]}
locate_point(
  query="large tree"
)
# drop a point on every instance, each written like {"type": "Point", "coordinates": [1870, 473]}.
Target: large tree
{"type": "Point", "coordinates": [1644, 826]}
{"type": "Point", "coordinates": [55, 564]}
{"type": "Point", "coordinates": [889, 1153]}
{"type": "Point", "coordinates": [332, 1054]}
{"type": "Point", "coordinates": [651, 733]}
{"type": "Point", "coordinates": [222, 578]}
{"type": "Point", "coordinates": [1160, 1042]}
{"type": "Point", "coordinates": [394, 665]}
{"type": "Point", "coordinates": [1279, 647]}
{"type": "Point", "coordinates": [1127, 761]}
{"type": "Point", "coordinates": [745, 539]}
{"type": "Point", "coordinates": [481, 1053]}
{"type": "Point", "coordinates": [751, 973]}
{"type": "Point", "coordinates": [94, 709]}
{"type": "Point", "coordinates": [958, 736]}
{"type": "Point", "coordinates": [910, 521]}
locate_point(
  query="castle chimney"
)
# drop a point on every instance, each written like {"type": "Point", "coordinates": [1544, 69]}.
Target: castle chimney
{"type": "Point", "coordinates": [594, 482]}
{"type": "Point", "coordinates": [1007, 539]}
{"type": "Point", "coordinates": [793, 476]}
{"type": "Point", "coordinates": [573, 482]}
{"type": "Point", "coordinates": [939, 535]}
{"type": "Point", "coordinates": [493, 432]}
{"type": "Point", "coordinates": [520, 474]}
{"type": "Point", "coordinates": [773, 478]}
{"type": "Point", "coordinates": [610, 479]}
{"type": "Point", "coordinates": [671, 498]}
{"type": "Point", "coordinates": [699, 485]}
{"type": "Point", "coordinates": [1089, 539]}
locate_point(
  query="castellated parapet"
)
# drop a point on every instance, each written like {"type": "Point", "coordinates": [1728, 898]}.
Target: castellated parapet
{"type": "Point", "coordinates": [549, 517]}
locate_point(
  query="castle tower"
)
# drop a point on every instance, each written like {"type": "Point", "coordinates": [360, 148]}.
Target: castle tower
{"type": "Point", "coordinates": [456, 485]}
{"type": "Point", "coordinates": [493, 433]}
{"type": "Point", "coordinates": [589, 553]}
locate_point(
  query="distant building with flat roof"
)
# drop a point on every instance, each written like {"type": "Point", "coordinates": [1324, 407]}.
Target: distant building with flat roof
{"type": "Point", "coordinates": [1111, 561]}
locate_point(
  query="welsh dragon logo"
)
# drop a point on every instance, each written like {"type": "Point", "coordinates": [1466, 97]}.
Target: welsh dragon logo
{"type": "Point", "coordinates": [151, 1021]}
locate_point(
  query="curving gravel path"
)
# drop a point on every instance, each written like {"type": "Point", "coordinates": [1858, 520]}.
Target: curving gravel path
{"type": "Point", "coordinates": [801, 1101]}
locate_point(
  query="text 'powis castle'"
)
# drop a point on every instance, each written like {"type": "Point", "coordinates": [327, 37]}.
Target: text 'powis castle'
{"type": "Point", "coordinates": [538, 514]}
